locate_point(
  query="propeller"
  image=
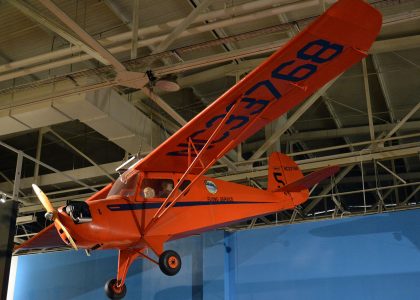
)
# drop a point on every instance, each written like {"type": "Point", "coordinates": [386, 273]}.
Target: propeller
{"type": "Point", "coordinates": [52, 214]}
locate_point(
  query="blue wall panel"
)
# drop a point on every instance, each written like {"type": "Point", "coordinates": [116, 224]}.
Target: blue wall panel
{"type": "Point", "coordinates": [73, 275]}
{"type": "Point", "coordinates": [372, 257]}
{"type": "Point", "coordinates": [213, 265]}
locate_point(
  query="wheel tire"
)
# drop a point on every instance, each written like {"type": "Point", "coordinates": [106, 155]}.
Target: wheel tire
{"type": "Point", "coordinates": [170, 262]}
{"type": "Point", "coordinates": [111, 292]}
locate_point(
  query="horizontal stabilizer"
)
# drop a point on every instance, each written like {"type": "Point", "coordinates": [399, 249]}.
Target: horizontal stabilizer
{"type": "Point", "coordinates": [47, 238]}
{"type": "Point", "coordinates": [309, 181]}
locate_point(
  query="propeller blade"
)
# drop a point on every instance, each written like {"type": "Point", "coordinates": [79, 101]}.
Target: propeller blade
{"type": "Point", "coordinates": [73, 244]}
{"type": "Point", "coordinates": [50, 209]}
{"type": "Point", "coordinates": [43, 198]}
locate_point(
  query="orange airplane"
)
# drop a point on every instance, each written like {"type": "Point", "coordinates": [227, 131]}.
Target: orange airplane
{"type": "Point", "coordinates": [165, 196]}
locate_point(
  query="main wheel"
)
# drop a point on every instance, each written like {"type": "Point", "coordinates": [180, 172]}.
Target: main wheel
{"type": "Point", "coordinates": [170, 262]}
{"type": "Point", "coordinates": [112, 291]}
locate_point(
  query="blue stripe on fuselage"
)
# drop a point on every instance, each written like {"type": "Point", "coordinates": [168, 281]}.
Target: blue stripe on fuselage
{"type": "Point", "coordinates": [154, 205]}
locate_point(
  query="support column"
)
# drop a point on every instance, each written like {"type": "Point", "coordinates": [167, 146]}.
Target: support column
{"type": "Point", "coordinates": [8, 215]}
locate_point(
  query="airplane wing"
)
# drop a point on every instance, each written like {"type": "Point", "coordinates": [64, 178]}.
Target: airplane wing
{"type": "Point", "coordinates": [326, 48]}
{"type": "Point", "coordinates": [309, 180]}
{"type": "Point", "coordinates": [46, 238]}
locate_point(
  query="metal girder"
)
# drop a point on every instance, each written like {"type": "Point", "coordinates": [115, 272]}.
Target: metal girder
{"type": "Point", "coordinates": [162, 104]}
{"type": "Point", "coordinates": [391, 172]}
{"type": "Point", "coordinates": [404, 120]}
{"type": "Point", "coordinates": [67, 176]}
{"type": "Point", "coordinates": [381, 188]}
{"type": "Point", "coordinates": [384, 177]}
{"type": "Point", "coordinates": [385, 153]}
{"type": "Point", "coordinates": [377, 156]}
{"type": "Point", "coordinates": [336, 119]}
{"type": "Point", "coordinates": [350, 131]}
{"type": "Point", "coordinates": [41, 132]}
{"type": "Point", "coordinates": [10, 183]}
{"type": "Point", "coordinates": [63, 174]}
{"type": "Point", "coordinates": [404, 44]}
{"type": "Point", "coordinates": [389, 154]}
{"type": "Point", "coordinates": [387, 97]}
{"type": "Point", "coordinates": [220, 71]}
{"type": "Point", "coordinates": [18, 174]}
{"type": "Point", "coordinates": [170, 38]}
{"type": "Point", "coordinates": [327, 189]}
{"type": "Point", "coordinates": [384, 87]}
{"type": "Point", "coordinates": [55, 27]}
{"type": "Point", "coordinates": [135, 29]}
{"type": "Point", "coordinates": [368, 100]}
{"type": "Point", "coordinates": [196, 63]}
{"type": "Point", "coordinates": [382, 47]}
{"type": "Point", "coordinates": [102, 170]}
{"type": "Point", "coordinates": [94, 44]}
{"type": "Point", "coordinates": [412, 195]}
{"type": "Point", "coordinates": [320, 162]}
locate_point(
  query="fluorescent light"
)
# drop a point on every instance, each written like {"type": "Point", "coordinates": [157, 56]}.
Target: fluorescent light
{"type": "Point", "coordinates": [3, 198]}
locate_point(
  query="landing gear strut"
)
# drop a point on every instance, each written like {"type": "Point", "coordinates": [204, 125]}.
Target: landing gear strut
{"type": "Point", "coordinates": [170, 262]}
{"type": "Point", "coordinates": [115, 288]}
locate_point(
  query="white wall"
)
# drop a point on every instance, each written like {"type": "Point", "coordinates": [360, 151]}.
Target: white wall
{"type": "Point", "coordinates": [12, 278]}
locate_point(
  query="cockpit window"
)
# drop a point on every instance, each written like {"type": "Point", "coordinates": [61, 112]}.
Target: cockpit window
{"type": "Point", "coordinates": [124, 186]}
{"type": "Point", "coordinates": [156, 188]}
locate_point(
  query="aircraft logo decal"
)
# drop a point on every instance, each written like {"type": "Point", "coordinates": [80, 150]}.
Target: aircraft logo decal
{"type": "Point", "coordinates": [211, 186]}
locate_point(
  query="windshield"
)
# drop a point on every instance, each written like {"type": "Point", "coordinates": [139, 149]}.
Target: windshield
{"type": "Point", "coordinates": [124, 186]}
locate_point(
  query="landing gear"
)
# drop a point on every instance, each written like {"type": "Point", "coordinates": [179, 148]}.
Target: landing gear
{"type": "Point", "coordinates": [113, 291]}
{"type": "Point", "coordinates": [170, 262]}
{"type": "Point", "coordinates": [115, 288]}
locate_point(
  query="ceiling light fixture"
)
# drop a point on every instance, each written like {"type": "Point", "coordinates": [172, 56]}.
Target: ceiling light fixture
{"type": "Point", "coordinates": [3, 198]}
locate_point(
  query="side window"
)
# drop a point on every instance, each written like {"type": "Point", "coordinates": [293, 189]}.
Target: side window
{"type": "Point", "coordinates": [156, 188]}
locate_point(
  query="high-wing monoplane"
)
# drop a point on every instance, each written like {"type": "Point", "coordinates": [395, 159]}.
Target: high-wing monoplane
{"type": "Point", "coordinates": [166, 195]}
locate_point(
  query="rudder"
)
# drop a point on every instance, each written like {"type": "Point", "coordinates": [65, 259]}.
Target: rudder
{"type": "Point", "coordinates": [282, 170]}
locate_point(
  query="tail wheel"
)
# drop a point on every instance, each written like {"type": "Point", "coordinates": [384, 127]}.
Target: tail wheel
{"type": "Point", "coordinates": [170, 262]}
{"type": "Point", "coordinates": [113, 291]}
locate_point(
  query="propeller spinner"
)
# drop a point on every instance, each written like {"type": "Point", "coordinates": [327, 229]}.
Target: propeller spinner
{"type": "Point", "coordinates": [52, 214]}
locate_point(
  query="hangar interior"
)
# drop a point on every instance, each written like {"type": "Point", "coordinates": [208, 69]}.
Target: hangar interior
{"type": "Point", "coordinates": [66, 124]}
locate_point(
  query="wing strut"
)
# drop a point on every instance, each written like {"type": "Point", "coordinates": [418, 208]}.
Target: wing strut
{"type": "Point", "coordinates": [165, 206]}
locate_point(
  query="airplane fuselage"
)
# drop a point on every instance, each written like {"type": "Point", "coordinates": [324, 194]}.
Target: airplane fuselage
{"type": "Point", "coordinates": [121, 220]}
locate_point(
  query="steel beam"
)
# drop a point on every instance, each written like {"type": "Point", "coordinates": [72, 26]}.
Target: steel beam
{"type": "Point", "coordinates": [404, 120]}
{"type": "Point", "coordinates": [41, 132]}
{"type": "Point", "coordinates": [64, 174]}
{"type": "Point", "coordinates": [18, 174]}
{"type": "Point", "coordinates": [170, 38]}
{"type": "Point", "coordinates": [377, 156]}
{"type": "Point", "coordinates": [350, 131]}
{"type": "Point", "coordinates": [368, 100]}
{"type": "Point", "coordinates": [351, 158]}
{"type": "Point", "coordinates": [135, 29]}
{"type": "Point", "coordinates": [68, 144]}
{"type": "Point", "coordinates": [412, 195]}
{"type": "Point", "coordinates": [29, 11]}
{"type": "Point", "coordinates": [94, 44]}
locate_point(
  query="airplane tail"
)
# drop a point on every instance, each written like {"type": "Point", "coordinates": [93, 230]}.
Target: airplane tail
{"type": "Point", "coordinates": [285, 176]}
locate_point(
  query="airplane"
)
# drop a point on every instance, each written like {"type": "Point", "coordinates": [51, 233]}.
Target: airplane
{"type": "Point", "coordinates": [166, 195]}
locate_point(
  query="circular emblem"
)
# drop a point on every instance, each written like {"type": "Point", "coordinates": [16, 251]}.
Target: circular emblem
{"type": "Point", "coordinates": [211, 186]}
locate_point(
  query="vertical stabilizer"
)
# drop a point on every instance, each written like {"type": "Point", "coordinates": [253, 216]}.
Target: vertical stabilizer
{"type": "Point", "coordinates": [282, 170]}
